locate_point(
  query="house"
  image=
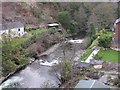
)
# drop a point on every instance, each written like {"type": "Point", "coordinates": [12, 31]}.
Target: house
{"type": "Point", "coordinates": [15, 29]}
{"type": "Point", "coordinates": [116, 36]}
{"type": "Point", "coordinates": [56, 25]}
{"type": "Point", "coordinates": [91, 85]}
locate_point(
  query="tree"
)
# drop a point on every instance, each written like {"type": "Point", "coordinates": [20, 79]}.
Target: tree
{"type": "Point", "coordinates": [66, 73]}
{"type": "Point", "coordinates": [52, 30]}
{"type": "Point", "coordinates": [92, 31]}
{"type": "Point", "coordinates": [64, 18]}
{"type": "Point", "coordinates": [80, 17]}
{"type": "Point", "coordinates": [104, 39]}
{"type": "Point", "coordinates": [13, 54]}
{"type": "Point", "coordinates": [103, 15]}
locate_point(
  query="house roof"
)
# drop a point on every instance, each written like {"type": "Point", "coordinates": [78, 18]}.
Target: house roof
{"type": "Point", "coordinates": [91, 84]}
{"type": "Point", "coordinates": [11, 25]}
{"type": "Point", "coordinates": [53, 24]}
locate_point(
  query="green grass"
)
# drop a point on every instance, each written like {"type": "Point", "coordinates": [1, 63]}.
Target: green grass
{"type": "Point", "coordinates": [94, 43]}
{"type": "Point", "coordinates": [37, 31]}
{"type": "Point", "coordinates": [109, 55]}
{"type": "Point", "coordinates": [110, 33]}
{"type": "Point", "coordinates": [86, 54]}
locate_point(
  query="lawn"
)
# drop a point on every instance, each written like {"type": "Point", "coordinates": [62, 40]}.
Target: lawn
{"type": "Point", "coordinates": [109, 55]}
{"type": "Point", "coordinates": [86, 54]}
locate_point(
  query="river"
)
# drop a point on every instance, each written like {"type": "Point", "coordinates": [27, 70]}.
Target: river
{"type": "Point", "coordinates": [41, 74]}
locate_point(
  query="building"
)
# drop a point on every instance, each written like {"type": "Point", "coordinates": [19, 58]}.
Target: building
{"type": "Point", "coordinates": [15, 29]}
{"type": "Point", "coordinates": [56, 25]}
{"type": "Point", "coordinates": [91, 85]}
{"type": "Point", "coordinates": [116, 36]}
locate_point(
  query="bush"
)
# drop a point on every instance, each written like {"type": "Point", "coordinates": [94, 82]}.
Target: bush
{"type": "Point", "coordinates": [8, 66]}
{"type": "Point", "coordinates": [52, 30]}
{"type": "Point", "coordinates": [64, 18]}
{"type": "Point", "coordinates": [104, 38]}
{"type": "Point", "coordinates": [66, 70]}
{"type": "Point", "coordinates": [13, 55]}
{"type": "Point", "coordinates": [97, 57]}
{"type": "Point", "coordinates": [104, 41]}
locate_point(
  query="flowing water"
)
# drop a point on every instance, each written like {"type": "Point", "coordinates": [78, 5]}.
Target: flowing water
{"type": "Point", "coordinates": [40, 74]}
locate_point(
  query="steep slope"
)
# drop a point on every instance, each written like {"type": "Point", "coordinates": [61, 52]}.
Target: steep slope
{"type": "Point", "coordinates": [24, 12]}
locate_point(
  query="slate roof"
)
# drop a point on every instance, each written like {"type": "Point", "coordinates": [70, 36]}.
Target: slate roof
{"type": "Point", "coordinates": [92, 84]}
{"type": "Point", "coordinates": [12, 25]}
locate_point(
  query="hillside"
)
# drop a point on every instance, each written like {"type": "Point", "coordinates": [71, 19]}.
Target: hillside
{"type": "Point", "coordinates": [82, 16]}
{"type": "Point", "coordinates": [58, 56]}
{"type": "Point", "coordinates": [24, 12]}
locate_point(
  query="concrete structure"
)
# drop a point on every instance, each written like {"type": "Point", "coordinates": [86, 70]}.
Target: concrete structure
{"type": "Point", "coordinates": [92, 55]}
{"type": "Point", "coordinates": [56, 25]}
{"type": "Point", "coordinates": [116, 36]}
{"type": "Point", "coordinates": [15, 29]}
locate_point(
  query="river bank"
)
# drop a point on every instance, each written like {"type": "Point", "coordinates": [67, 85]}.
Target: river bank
{"type": "Point", "coordinates": [37, 66]}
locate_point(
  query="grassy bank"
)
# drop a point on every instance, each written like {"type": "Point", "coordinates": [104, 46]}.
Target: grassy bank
{"type": "Point", "coordinates": [14, 51]}
{"type": "Point", "coordinates": [86, 54]}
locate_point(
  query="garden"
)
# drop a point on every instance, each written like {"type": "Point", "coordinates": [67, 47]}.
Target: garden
{"type": "Point", "coordinates": [109, 55]}
{"type": "Point", "coordinates": [104, 41]}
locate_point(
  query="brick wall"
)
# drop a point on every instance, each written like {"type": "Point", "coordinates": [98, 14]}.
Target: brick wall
{"type": "Point", "coordinates": [117, 35]}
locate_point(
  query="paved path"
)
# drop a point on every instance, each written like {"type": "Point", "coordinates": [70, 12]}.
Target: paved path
{"type": "Point", "coordinates": [91, 55]}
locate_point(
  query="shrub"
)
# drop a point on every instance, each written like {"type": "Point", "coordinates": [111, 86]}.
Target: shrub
{"type": "Point", "coordinates": [97, 57]}
{"type": "Point", "coordinates": [52, 30]}
{"type": "Point", "coordinates": [104, 41]}
{"type": "Point", "coordinates": [66, 70]}
{"type": "Point", "coordinates": [8, 66]}
{"type": "Point", "coordinates": [104, 38]}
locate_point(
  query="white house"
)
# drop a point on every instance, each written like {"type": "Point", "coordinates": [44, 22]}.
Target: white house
{"type": "Point", "coordinates": [56, 25]}
{"type": "Point", "coordinates": [15, 29]}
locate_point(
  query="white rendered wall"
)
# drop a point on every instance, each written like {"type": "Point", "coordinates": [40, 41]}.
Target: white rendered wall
{"type": "Point", "coordinates": [18, 33]}
{"type": "Point", "coordinates": [14, 32]}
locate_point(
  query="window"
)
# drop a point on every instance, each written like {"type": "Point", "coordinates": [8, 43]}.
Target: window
{"type": "Point", "coordinates": [18, 29]}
